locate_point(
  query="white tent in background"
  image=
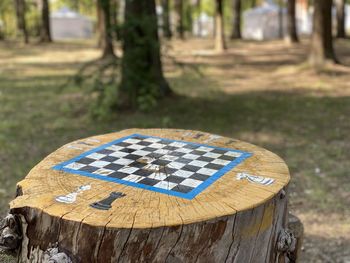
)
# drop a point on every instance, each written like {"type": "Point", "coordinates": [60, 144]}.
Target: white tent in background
{"type": "Point", "coordinates": [262, 23]}
{"type": "Point", "coordinates": [68, 24]}
{"type": "Point", "coordinates": [203, 25]}
{"type": "Point", "coordinates": [347, 18]}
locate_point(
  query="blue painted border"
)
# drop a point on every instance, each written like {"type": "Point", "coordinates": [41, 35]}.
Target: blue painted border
{"type": "Point", "coordinates": [189, 195]}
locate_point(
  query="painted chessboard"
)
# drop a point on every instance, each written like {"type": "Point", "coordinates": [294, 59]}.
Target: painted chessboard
{"type": "Point", "coordinates": [178, 168]}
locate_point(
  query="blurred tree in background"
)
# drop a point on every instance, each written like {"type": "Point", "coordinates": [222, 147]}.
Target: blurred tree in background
{"type": "Point", "coordinates": [340, 6]}
{"type": "Point", "coordinates": [105, 28]}
{"type": "Point", "coordinates": [114, 14]}
{"type": "Point", "coordinates": [45, 30]}
{"type": "Point", "coordinates": [322, 50]}
{"type": "Point", "coordinates": [166, 19]}
{"type": "Point", "coordinates": [236, 19]}
{"type": "Point", "coordinates": [20, 7]}
{"type": "Point", "coordinates": [220, 44]}
{"type": "Point", "coordinates": [292, 24]}
{"type": "Point", "coordinates": [142, 82]}
{"type": "Point", "coordinates": [179, 18]}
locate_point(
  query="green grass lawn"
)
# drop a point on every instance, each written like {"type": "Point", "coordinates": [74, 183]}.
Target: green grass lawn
{"type": "Point", "coordinates": [258, 92]}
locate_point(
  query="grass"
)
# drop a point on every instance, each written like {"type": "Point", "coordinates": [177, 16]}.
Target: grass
{"type": "Point", "coordinates": [259, 92]}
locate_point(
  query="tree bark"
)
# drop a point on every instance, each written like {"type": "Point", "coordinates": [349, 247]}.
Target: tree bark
{"type": "Point", "coordinates": [236, 19]}
{"type": "Point", "coordinates": [340, 5]}
{"type": "Point", "coordinates": [292, 35]}
{"type": "Point", "coordinates": [107, 36]}
{"type": "Point", "coordinates": [21, 20]}
{"type": "Point", "coordinates": [247, 236]}
{"type": "Point", "coordinates": [322, 50]}
{"type": "Point", "coordinates": [166, 19]}
{"type": "Point", "coordinates": [45, 31]}
{"type": "Point", "coordinates": [142, 74]}
{"type": "Point", "coordinates": [220, 44]}
{"type": "Point", "coordinates": [179, 19]}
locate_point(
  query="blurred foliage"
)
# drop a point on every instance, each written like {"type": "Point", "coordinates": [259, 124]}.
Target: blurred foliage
{"type": "Point", "coordinates": [98, 79]}
{"type": "Point", "coordinates": [7, 21]}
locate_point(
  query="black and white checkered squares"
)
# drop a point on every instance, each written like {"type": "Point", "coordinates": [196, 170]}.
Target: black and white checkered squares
{"type": "Point", "coordinates": [174, 167]}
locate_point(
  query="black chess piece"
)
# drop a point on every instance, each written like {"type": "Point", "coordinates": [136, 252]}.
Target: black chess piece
{"type": "Point", "coordinates": [106, 203]}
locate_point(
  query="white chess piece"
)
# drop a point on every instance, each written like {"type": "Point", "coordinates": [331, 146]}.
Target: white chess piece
{"type": "Point", "coordinates": [255, 179]}
{"type": "Point", "coordinates": [72, 197]}
{"type": "Point", "coordinates": [68, 199]}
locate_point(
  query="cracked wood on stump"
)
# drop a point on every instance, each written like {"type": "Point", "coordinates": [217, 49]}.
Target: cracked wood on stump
{"type": "Point", "coordinates": [222, 220]}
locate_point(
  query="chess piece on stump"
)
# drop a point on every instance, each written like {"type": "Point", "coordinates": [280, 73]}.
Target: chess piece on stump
{"type": "Point", "coordinates": [156, 195]}
{"type": "Point", "coordinates": [106, 203]}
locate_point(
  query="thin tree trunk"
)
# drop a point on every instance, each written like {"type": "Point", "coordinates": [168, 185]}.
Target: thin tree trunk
{"type": "Point", "coordinates": [292, 26]}
{"type": "Point", "coordinates": [166, 19]}
{"type": "Point", "coordinates": [340, 5]}
{"type": "Point", "coordinates": [280, 19]}
{"type": "Point", "coordinates": [220, 45]}
{"type": "Point", "coordinates": [45, 32]}
{"type": "Point", "coordinates": [142, 74]}
{"type": "Point", "coordinates": [107, 43]}
{"type": "Point", "coordinates": [199, 22]}
{"type": "Point", "coordinates": [100, 24]}
{"type": "Point", "coordinates": [179, 18]}
{"type": "Point", "coordinates": [253, 3]}
{"type": "Point", "coordinates": [322, 50]}
{"type": "Point", "coordinates": [236, 19]}
{"type": "Point", "coordinates": [189, 20]}
{"type": "Point", "coordinates": [75, 5]}
{"type": "Point", "coordinates": [21, 21]}
{"type": "Point", "coordinates": [114, 19]}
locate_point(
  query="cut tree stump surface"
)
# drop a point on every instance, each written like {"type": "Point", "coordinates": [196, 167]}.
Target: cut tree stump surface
{"type": "Point", "coordinates": [154, 194]}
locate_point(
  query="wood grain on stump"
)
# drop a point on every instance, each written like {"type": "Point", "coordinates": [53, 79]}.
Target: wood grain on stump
{"type": "Point", "coordinates": [174, 203]}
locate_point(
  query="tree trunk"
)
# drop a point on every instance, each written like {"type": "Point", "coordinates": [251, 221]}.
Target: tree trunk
{"type": "Point", "coordinates": [236, 19]}
{"type": "Point", "coordinates": [100, 24]}
{"type": "Point", "coordinates": [179, 19]}
{"type": "Point", "coordinates": [21, 20]}
{"type": "Point", "coordinates": [189, 20]}
{"type": "Point", "coordinates": [340, 5]}
{"type": "Point", "coordinates": [45, 31]}
{"type": "Point", "coordinates": [107, 37]}
{"type": "Point", "coordinates": [166, 19]}
{"type": "Point", "coordinates": [114, 19]}
{"type": "Point", "coordinates": [75, 5]}
{"type": "Point", "coordinates": [142, 75]}
{"type": "Point", "coordinates": [253, 4]}
{"type": "Point", "coordinates": [91, 219]}
{"type": "Point", "coordinates": [292, 25]}
{"type": "Point", "coordinates": [322, 50]}
{"type": "Point", "coordinates": [199, 22]}
{"type": "Point", "coordinates": [280, 19]}
{"type": "Point", "coordinates": [220, 44]}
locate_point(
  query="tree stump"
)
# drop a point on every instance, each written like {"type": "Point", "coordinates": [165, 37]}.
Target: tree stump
{"type": "Point", "coordinates": [155, 195]}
